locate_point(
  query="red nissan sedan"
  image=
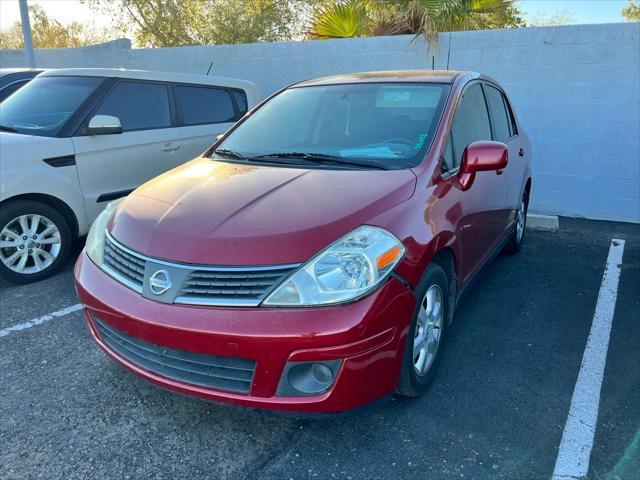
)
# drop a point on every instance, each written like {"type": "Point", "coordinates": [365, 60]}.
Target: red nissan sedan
{"type": "Point", "coordinates": [312, 259]}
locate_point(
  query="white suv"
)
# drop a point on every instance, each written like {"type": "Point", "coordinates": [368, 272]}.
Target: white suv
{"type": "Point", "coordinates": [72, 140]}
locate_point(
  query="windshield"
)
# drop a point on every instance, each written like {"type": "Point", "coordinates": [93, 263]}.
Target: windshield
{"type": "Point", "coordinates": [44, 104]}
{"type": "Point", "coordinates": [391, 124]}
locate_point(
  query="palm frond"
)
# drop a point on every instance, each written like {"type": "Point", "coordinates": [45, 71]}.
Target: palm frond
{"type": "Point", "coordinates": [339, 20]}
{"type": "Point", "coordinates": [419, 21]}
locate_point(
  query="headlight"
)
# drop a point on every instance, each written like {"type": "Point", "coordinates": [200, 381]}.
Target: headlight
{"type": "Point", "coordinates": [346, 270]}
{"type": "Point", "coordinates": [95, 239]}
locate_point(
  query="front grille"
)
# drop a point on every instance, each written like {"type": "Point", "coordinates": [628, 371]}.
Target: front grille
{"type": "Point", "coordinates": [231, 286]}
{"type": "Point", "coordinates": [123, 266]}
{"type": "Point", "coordinates": [195, 284]}
{"type": "Point", "coordinates": [210, 371]}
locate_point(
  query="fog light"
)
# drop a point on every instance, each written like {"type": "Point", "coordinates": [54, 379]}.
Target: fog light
{"type": "Point", "coordinates": [308, 378]}
{"type": "Point", "coordinates": [322, 373]}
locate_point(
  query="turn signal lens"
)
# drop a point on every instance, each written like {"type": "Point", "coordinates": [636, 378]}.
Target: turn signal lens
{"type": "Point", "coordinates": [389, 257]}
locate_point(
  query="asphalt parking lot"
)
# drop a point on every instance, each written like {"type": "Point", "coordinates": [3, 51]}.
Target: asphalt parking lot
{"type": "Point", "coordinates": [496, 410]}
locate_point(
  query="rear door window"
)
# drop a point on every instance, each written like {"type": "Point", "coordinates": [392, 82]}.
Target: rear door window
{"type": "Point", "coordinates": [513, 128]}
{"type": "Point", "coordinates": [138, 105]}
{"type": "Point", "coordinates": [502, 131]}
{"type": "Point", "coordinates": [204, 105]}
{"type": "Point", "coordinates": [471, 122]}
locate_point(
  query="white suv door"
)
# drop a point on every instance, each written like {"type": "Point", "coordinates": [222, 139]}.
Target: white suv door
{"type": "Point", "coordinates": [111, 165]}
{"type": "Point", "coordinates": [206, 112]}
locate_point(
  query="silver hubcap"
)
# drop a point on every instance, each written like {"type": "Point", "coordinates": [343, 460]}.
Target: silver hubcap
{"type": "Point", "coordinates": [29, 244]}
{"type": "Point", "coordinates": [428, 330]}
{"type": "Point", "coordinates": [520, 221]}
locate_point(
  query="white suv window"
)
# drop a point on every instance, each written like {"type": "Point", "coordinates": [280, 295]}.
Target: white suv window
{"type": "Point", "coordinates": [138, 105]}
{"type": "Point", "coordinates": [43, 105]}
{"type": "Point", "coordinates": [202, 105]}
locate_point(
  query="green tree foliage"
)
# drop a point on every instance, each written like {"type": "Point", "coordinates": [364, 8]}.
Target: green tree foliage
{"type": "Point", "coordinates": [171, 23]}
{"type": "Point", "coordinates": [632, 11]}
{"type": "Point", "coordinates": [356, 18]}
{"type": "Point", "coordinates": [50, 33]}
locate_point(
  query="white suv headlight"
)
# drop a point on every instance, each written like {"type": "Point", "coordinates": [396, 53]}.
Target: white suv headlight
{"type": "Point", "coordinates": [95, 239]}
{"type": "Point", "coordinates": [347, 269]}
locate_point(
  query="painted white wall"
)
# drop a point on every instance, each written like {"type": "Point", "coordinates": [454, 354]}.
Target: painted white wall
{"type": "Point", "coordinates": [576, 90]}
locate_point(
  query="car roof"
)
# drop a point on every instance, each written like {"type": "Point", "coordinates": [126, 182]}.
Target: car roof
{"type": "Point", "coordinates": [9, 71]}
{"type": "Point", "coordinates": [420, 76]}
{"type": "Point", "coordinates": [150, 75]}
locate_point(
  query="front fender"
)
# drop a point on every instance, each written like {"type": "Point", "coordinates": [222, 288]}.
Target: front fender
{"type": "Point", "coordinates": [23, 172]}
{"type": "Point", "coordinates": [426, 224]}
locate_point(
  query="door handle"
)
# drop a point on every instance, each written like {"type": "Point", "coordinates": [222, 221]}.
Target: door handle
{"type": "Point", "coordinates": [521, 152]}
{"type": "Point", "coordinates": [170, 147]}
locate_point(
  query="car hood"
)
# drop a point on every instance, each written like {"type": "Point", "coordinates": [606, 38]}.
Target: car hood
{"type": "Point", "coordinates": [219, 213]}
{"type": "Point", "coordinates": [20, 139]}
{"type": "Point", "coordinates": [18, 145]}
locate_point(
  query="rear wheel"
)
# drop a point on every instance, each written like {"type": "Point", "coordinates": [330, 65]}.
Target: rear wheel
{"type": "Point", "coordinates": [421, 355]}
{"type": "Point", "coordinates": [517, 237]}
{"type": "Point", "coordinates": [35, 241]}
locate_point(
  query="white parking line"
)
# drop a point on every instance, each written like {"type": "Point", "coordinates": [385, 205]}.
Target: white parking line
{"type": "Point", "coordinates": [577, 438]}
{"type": "Point", "coordinates": [40, 320]}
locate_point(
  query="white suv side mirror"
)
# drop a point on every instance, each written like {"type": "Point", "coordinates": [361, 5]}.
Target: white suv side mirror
{"type": "Point", "coordinates": [104, 125]}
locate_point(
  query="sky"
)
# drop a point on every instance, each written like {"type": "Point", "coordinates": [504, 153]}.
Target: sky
{"type": "Point", "coordinates": [580, 11]}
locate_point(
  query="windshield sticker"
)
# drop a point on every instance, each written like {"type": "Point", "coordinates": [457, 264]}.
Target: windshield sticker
{"type": "Point", "coordinates": [367, 152]}
{"type": "Point", "coordinates": [408, 97]}
{"type": "Point", "coordinates": [396, 96]}
{"type": "Point", "coordinates": [421, 139]}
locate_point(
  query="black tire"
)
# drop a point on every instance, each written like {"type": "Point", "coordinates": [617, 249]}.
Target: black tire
{"type": "Point", "coordinates": [411, 384]}
{"type": "Point", "coordinates": [15, 209]}
{"type": "Point", "coordinates": [514, 244]}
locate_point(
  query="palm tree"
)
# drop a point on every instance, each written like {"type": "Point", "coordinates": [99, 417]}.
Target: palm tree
{"type": "Point", "coordinates": [359, 18]}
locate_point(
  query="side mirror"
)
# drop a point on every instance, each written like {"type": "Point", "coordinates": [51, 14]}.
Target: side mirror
{"type": "Point", "coordinates": [482, 156]}
{"type": "Point", "coordinates": [104, 125]}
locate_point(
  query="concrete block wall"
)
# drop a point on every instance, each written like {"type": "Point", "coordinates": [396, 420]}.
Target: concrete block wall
{"type": "Point", "coordinates": [576, 90]}
{"type": "Point", "coordinates": [113, 54]}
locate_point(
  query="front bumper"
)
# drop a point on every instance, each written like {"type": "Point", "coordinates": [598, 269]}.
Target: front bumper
{"type": "Point", "coordinates": [368, 336]}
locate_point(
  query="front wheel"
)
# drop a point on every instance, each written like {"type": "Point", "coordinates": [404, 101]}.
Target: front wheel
{"type": "Point", "coordinates": [420, 360]}
{"type": "Point", "coordinates": [35, 240]}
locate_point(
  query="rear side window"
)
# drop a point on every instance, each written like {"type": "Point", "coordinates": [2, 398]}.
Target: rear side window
{"type": "Point", "coordinates": [470, 124]}
{"type": "Point", "coordinates": [139, 106]}
{"type": "Point", "coordinates": [240, 97]}
{"type": "Point", "coordinates": [202, 105]}
{"type": "Point", "coordinates": [502, 131]}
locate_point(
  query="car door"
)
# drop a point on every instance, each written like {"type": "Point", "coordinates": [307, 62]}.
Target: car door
{"type": "Point", "coordinates": [482, 220]}
{"type": "Point", "coordinates": [110, 166]}
{"type": "Point", "coordinates": [206, 112]}
{"type": "Point", "coordinates": [505, 131]}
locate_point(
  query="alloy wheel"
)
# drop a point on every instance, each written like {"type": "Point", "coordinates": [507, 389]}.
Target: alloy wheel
{"type": "Point", "coordinates": [520, 221]}
{"type": "Point", "coordinates": [29, 244]}
{"type": "Point", "coordinates": [428, 330]}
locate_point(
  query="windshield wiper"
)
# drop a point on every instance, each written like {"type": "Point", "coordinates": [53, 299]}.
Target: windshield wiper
{"type": "Point", "coordinates": [224, 152]}
{"type": "Point", "coordinates": [322, 159]}
{"type": "Point", "coordinates": [4, 128]}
